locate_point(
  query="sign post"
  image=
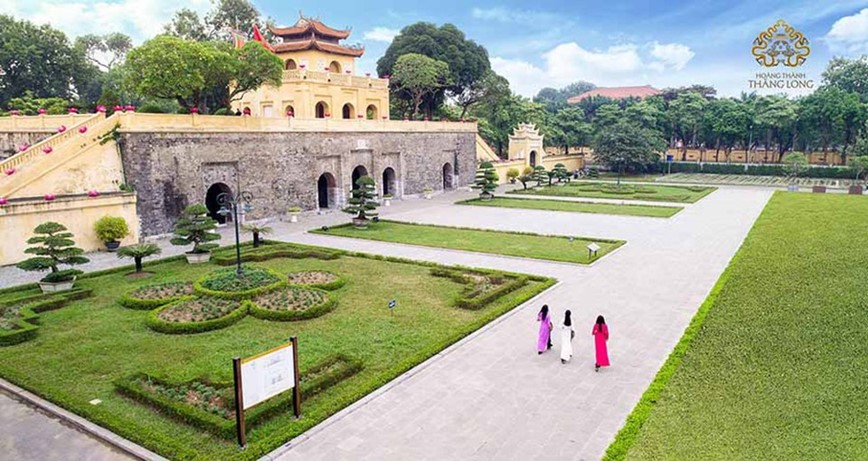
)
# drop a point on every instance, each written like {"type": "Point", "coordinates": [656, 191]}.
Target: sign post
{"type": "Point", "coordinates": [296, 390]}
{"type": "Point", "coordinates": [239, 403]}
{"type": "Point", "coordinates": [669, 159]}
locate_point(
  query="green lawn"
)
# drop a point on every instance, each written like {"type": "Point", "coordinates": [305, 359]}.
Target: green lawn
{"type": "Point", "coordinates": [577, 207]}
{"type": "Point", "coordinates": [777, 368]}
{"type": "Point", "coordinates": [553, 248]}
{"type": "Point", "coordinates": [648, 192]}
{"type": "Point", "coordinates": [81, 349]}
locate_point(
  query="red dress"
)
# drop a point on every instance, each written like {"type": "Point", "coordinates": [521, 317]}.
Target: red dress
{"type": "Point", "coordinates": [600, 338]}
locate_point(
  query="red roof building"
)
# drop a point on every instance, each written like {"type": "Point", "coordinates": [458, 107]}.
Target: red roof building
{"type": "Point", "coordinates": [311, 34]}
{"type": "Point", "coordinates": [618, 92]}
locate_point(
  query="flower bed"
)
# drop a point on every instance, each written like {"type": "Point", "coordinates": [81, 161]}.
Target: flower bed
{"type": "Point", "coordinates": [291, 303]}
{"type": "Point", "coordinates": [19, 318]}
{"type": "Point", "coordinates": [152, 296]}
{"type": "Point", "coordinates": [481, 288]}
{"type": "Point", "coordinates": [316, 279]}
{"type": "Point", "coordinates": [196, 315]}
{"type": "Point", "coordinates": [225, 283]}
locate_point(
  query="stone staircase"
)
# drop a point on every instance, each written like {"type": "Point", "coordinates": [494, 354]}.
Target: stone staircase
{"type": "Point", "coordinates": [484, 152]}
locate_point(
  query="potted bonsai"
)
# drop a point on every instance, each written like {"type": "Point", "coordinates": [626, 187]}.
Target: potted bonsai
{"type": "Point", "coordinates": [426, 192]}
{"type": "Point", "coordinates": [111, 230]}
{"type": "Point", "coordinates": [138, 252]}
{"type": "Point", "coordinates": [257, 230]}
{"type": "Point", "coordinates": [361, 203]}
{"type": "Point", "coordinates": [387, 200]}
{"type": "Point", "coordinates": [53, 246]}
{"type": "Point", "coordinates": [512, 174]}
{"type": "Point", "coordinates": [486, 181]}
{"type": "Point", "coordinates": [197, 228]}
{"type": "Point", "coordinates": [293, 213]}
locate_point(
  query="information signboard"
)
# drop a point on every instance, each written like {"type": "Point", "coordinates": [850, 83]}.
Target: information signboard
{"type": "Point", "coordinates": [265, 375]}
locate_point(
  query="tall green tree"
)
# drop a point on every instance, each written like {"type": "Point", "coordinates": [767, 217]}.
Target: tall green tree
{"type": "Point", "coordinates": [729, 122]}
{"type": "Point", "coordinates": [776, 117]}
{"type": "Point", "coordinates": [104, 51]}
{"type": "Point", "coordinates": [556, 99]}
{"type": "Point", "coordinates": [686, 115]}
{"type": "Point", "coordinates": [569, 128]}
{"type": "Point", "coordinates": [418, 76]}
{"type": "Point", "coordinates": [625, 146]}
{"type": "Point", "coordinates": [490, 87]}
{"type": "Point", "coordinates": [187, 24]}
{"type": "Point", "coordinates": [848, 75]}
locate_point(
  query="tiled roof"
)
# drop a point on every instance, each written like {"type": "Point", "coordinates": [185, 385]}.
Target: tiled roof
{"type": "Point", "coordinates": [618, 92]}
{"type": "Point", "coordinates": [305, 25]}
{"type": "Point", "coordinates": [313, 43]}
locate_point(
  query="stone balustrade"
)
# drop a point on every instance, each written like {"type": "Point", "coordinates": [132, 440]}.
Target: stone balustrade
{"type": "Point", "coordinates": [333, 78]}
{"type": "Point", "coordinates": [71, 132]}
{"type": "Point", "coordinates": [48, 123]}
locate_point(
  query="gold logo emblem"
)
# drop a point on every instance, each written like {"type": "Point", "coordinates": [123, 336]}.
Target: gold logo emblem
{"type": "Point", "coordinates": [781, 44]}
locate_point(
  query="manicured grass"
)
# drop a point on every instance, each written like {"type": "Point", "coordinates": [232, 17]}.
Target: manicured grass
{"type": "Point", "coordinates": [82, 348]}
{"type": "Point", "coordinates": [773, 366]}
{"type": "Point", "coordinates": [577, 207]}
{"type": "Point", "coordinates": [649, 192]}
{"type": "Point", "coordinates": [553, 248]}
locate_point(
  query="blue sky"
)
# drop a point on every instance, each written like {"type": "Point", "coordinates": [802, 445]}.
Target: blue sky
{"type": "Point", "coordinates": [541, 43]}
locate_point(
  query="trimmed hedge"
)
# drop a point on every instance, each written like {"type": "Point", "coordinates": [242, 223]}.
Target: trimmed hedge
{"type": "Point", "coordinates": [131, 302]}
{"type": "Point", "coordinates": [831, 172]}
{"type": "Point", "coordinates": [155, 323]}
{"type": "Point", "coordinates": [329, 286]}
{"type": "Point", "coordinates": [131, 387]}
{"type": "Point", "coordinates": [200, 289]}
{"type": "Point", "coordinates": [28, 321]}
{"type": "Point", "coordinates": [478, 302]}
{"type": "Point", "coordinates": [290, 316]}
{"type": "Point", "coordinates": [280, 251]}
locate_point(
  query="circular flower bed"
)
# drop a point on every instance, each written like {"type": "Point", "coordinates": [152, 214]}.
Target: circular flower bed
{"type": "Point", "coordinates": [225, 283]}
{"type": "Point", "coordinates": [317, 279]}
{"type": "Point", "coordinates": [195, 315]}
{"type": "Point", "coordinates": [291, 303]}
{"type": "Point", "coordinates": [151, 296]}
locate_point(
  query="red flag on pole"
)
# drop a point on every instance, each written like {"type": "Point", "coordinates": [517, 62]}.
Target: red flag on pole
{"type": "Point", "coordinates": [238, 39]}
{"type": "Point", "coordinates": [257, 36]}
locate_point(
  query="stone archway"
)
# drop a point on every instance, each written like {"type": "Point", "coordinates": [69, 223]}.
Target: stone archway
{"type": "Point", "coordinates": [448, 176]}
{"type": "Point", "coordinates": [335, 67]}
{"type": "Point", "coordinates": [390, 183]}
{"type": "Point", "coordinates": [371, 112]}
{"type": "Point", "coordinates": [291, 65]}
{"type": "Point", "coordinates": [322, 109]}
{"type": "Point", "coordinates": [348, 111]}
{"type": "Point", "coordinates": [326, 191]}
{"type": "Point", "coordinates": [211, 201]}
{"type": "Point", "coordinates": [532, 158]}
{"type": "Point", "coordinates": [358, 172]}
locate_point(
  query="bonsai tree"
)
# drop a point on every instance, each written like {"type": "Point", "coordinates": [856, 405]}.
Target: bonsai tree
{"type": "Point", "coordinates": [53, 246]}
{"type": "Point", "coordinates": [795, 163]}
{"type": "Point", "coordinates": [363, 203]}
{"type": "Point", "coordinates": [111, 229]}
{"type": "Point", "coordinates": [138, 252]}
{"type": "Point", "coordinates": [486, 180]}
{"type": "Point", "coordinates": [561, 173]}
{"type": "Point", "coordinates": [859, 165]}
{"type": "Point", "coordinates": [540, 175]}
{"type": "Point", "coordinates": [197, 228]}
{"type": "Point", "coordinates": [256, 230]}
{"type": "Point", "coordinates": [512, 174]}
{"type": "Point", "coordinates": [526, 176]}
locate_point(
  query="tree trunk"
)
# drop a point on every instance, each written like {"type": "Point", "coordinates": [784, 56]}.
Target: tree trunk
{"type": "Point", "coordinates": [256, 240]}
{"type": "Point", "coordinates": [138, 260]}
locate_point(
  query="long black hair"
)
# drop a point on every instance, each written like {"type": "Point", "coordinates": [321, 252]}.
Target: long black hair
{"type": "Point", "coordinates": [567, 320]}
{"type": "Point", "coordinates": [544, 312]}
{"type": "Point", "coordinates": [600, 322]}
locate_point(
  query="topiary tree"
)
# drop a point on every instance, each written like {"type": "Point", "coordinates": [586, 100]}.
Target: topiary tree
{"type": "Point", "coordinates": [795, 163]}
{"type": "Point", "coordinates": [561, 173]}
{"type": "Point", "coordinates": [53, 247]}
{"type": "Point", "coordinates": [486, 180]}
{"type": "Point", "coordinates": [526, 177]}
{"type": "Point", "coordinates": [138, 252]}
{"type": "Point", "coordinates": [512, 174]}
{"type": "Point", "coordinates": [540, 175]}
{"type": "Point", "coordinates": [197, 228]}
{"type": "Point", "coordinates": [363, 201]}
{"type": "Point", "coordinates": [257, 230]}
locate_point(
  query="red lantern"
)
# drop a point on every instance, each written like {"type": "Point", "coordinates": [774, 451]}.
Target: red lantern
{"type": "Point", "coordinates": [367, 74]}
{"type": "Point", "coordinates": [361, 116]}
{"type": "Point", "coordinates": [326, 69]}
{"type": "Point", "coordinates": [118, 108]}
{"type": "Point", "coordinates": [327, 115]}
{"type": "Point", "coordinates": [10, 171]}
{"type": "Point", "coordinates": [82, 130]}
{"type": "Point", "coordinates": [130, 108]}
{"type": "Point", "coordinates": [23, 147]}
{"type": "Point", "coordinates": [406, 119]}
{"type": "Point", "coordinates": [100, 109]}
{"type": "Point", "coordinates": [384, 117]}
{"type": "Point", "coordinates": [61, 128]}
{"type": "Point", "coordinates": [92, 193]}
{"type": "Point", "coordinates": [49, 197]}
{"type": "Point", "coordinates": [47, 149]}
{"type": "Point", "coordinates": [3, 201]}
{"type": "Point", "coordinates": [14, 112]}
{"type": "Point", "coordinates": [41, 111]}
{"type": "Point", "coordinates": [302, 66]}
{"type": "Point", "coordinates": [73, 110]}
{"type": "Point", "coordinates": [194, 110]}
{"type": "Point", "coordinates": [289, 113]}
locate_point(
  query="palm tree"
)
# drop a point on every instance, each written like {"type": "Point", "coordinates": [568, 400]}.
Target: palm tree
{"type": "Point", "coordinates": [257, 230]}
{"type": "Point", "coordinates": [139, 251]}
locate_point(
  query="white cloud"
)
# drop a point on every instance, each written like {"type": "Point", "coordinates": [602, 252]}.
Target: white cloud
{"type": "Point", "coordinates": [849, 34]}
{"type": "Point", "coordinates": [381, 34]}
{"type": "Point", "coordinates": [140, 19]}
{"type": "Point", "coordinates": [617, 65]}
{"type": "Point", "coordinates": [528, 18]}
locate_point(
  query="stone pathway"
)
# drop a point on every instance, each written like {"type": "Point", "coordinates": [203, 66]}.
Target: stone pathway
{"type": "Point", "coordinates": [491, 396]}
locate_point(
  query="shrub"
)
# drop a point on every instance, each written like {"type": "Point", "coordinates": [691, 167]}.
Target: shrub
{"type": "Point", "coordinates": [795, 163]}
{"type": "Point", "coordinates": [151, 108]}
{"type": "Point", "coordinates": [55, 248]}
{"type": "Point", "coordinates": [223, 111]}
{"type": "Point", "coordinates": [138, 252]}
{"type": "Point", "coordinates": [28, 309]}
{"type": "Point", "coordinates": [197, 228]}
{"type": "Point", "coordinates": [512, 174]}
{"type": "Point", "coordinates": [226, 283]}
{"type": "Point", "coordinates": [486, 180]}
{"type": "Point", "coordinates": [111, 228]}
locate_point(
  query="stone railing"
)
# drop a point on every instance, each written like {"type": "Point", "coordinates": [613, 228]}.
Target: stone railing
{"type": "Point", "coordinates": [53, 142]}
{"type": "Point", "coordinates": [333, 78]}
{"type": "Point", "coordinates": [138, 122]}
{"type": "Point", "coordinates": [40, 122]}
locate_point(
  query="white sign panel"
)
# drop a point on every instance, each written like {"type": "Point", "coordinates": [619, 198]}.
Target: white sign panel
{"type": "Point", "coordinates": [266, 375]}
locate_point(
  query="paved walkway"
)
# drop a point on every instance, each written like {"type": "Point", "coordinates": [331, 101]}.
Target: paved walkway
{"type": "Point", "coordinates": [491, 396]}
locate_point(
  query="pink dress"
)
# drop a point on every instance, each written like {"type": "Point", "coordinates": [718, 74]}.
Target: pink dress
{"type": "Point", "coordinates": [600, 338]}
{"type": "Point", "coordinates": [545, 332]}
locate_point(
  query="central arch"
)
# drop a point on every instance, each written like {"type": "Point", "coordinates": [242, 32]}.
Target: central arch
{"type": "Point", "coordinates": [348, 111]}
{"type": "Point", "coordinates": [533, 158]}
{"type": "Point", "coordinates": [389, 183]}
{"type": "Point", "coordinates": [326, 190]}
{"type": "Point", "coordinates": [211, 201]}
{"type": "Point", "coordinates": [322, 109]}
{"type": "Point", "coordinates": [358, 172]}
{"type": "Point", "coordinates": [371, 112]}
{"type": "Point", "coordinates": [448, 176]}
{"type": "Point", "coordinates": [291, 65]}
{"type": "Point", "coordinates": [335, 67]}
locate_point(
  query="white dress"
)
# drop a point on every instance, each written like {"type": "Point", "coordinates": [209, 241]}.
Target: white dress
{"type": "Point", "coordinates": [566, 342]}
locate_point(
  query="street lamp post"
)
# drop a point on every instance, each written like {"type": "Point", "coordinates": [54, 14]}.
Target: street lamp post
{"type": "Point", "coordinates": [229, 204]}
